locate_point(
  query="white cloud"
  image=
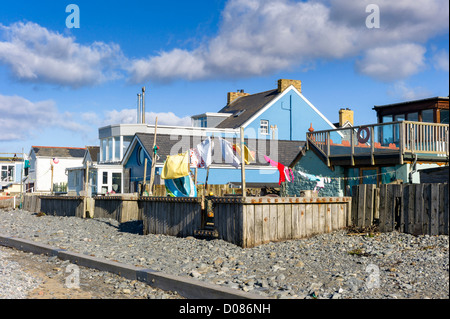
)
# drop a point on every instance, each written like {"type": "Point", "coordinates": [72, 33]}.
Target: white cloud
{"type": "Point", "coordinates": [392, 63]}
{"type": "Point", "coordinates": [257, 37]}
{"type": "Point", "coordinates": [441, 60]}
{"type": "Point", "coordinates": [36, 54]}
{"type": "Point", "coordinates": [403, 92]}
{"type": "Point", "coordinates": [21, 118]}
{"type": "Point", "coordinates": [128, 116]}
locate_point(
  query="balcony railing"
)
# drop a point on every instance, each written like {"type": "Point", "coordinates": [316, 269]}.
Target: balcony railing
{"type": "Point", "coordinates": [395, 138]}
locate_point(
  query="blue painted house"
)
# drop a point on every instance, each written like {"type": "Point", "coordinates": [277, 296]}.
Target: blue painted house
{"type": "Point", "coordinates": [282, 113]}
{"type": "Point", "coordinates": [257, 171]}
{"type": "Point", "coordinates": [275, 124]}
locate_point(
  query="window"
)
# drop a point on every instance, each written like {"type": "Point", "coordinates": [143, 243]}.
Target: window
{"type": "Point", "coordinates": [386, 119]}
{"type": "Point", "coordinates": [7, 173]}
{"type": "Point", "coordinates": [264, 127]}
{"type": "Point", "coordinates": [117, 182]}
{"type": "Point", "coordinates": [140, 156]}
{"type": "Point", "coordinates": [126, 143]}
{"type": "Point", "coordinates": [103, 150]}
{"type": "Point", "coordinates": [110, 149]}
{"type": "Point", "coordinates": [413, 117]}
{"type": "Point", "coordinates": [444, 116]}
{"type": "Point", "coordinates": [399, 117]}
{"type": "Point", "coordinates": [117, 148]}
{"type": "Point", "coordinates": [428, 116]}
{"type": "Point", "coordinates": [105, 178]}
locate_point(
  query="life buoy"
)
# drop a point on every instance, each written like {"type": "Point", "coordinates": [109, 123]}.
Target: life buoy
{"type": "Point", "coordinates": [363, 138]}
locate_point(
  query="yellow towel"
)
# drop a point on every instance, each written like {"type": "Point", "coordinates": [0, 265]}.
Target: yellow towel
{"type": "Point", "coordinates": [248, 156]}
{"type": "Point", "coordinates": [176, 166]}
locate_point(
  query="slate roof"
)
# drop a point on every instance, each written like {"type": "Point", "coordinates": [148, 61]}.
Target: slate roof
{"type": "Point", "coordinates": [93, 152]}
{"type": "Point", "coordinates": [250, 103]}
{"type": "Point", "coordinates": [58, 151]}
{"type": "Point", "coordinates": [286, 151]}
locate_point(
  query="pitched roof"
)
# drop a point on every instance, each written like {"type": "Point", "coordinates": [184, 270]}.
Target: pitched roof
{"type": "Point", "coordinates": [245, 107]}
{"type": "Point", "coordinates": [286, 151]}
{"type": "Point", "coordinates": [58, 151]}
{"type": "Point", "coordinates": [93, 152]}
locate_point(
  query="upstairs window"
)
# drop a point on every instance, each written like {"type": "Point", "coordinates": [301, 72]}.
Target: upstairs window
{"type": "Point", "coordinates": [264, 127]}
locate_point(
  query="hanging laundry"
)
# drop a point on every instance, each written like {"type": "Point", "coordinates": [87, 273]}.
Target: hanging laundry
{"type": "Point", "coordinates": [285, 172]}
{"type": "Point", "coordinates": [320, 180]}
{"type": "Point", "coordinates": [228, 154]}
{"type": "Point", "coordinates": [176, 166]}
{"type": "Point", "coordinates": [201, 154]}
{"type": "Point", "coordinates": [249, 156]}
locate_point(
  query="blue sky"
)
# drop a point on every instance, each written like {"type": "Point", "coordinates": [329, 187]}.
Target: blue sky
{"type": "Point", "coordinates": [58, 85]}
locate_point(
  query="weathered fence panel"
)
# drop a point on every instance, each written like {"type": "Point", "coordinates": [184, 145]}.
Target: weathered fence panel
{"type": "Point", "coordinates": [62, 205]}
{"type": "Point", "coordinates": [411, 208]}
{"type": "Point", "coordinates": [266, 219]}
{"type": "Point", "coordinates": [170, 216]}
{"type": "Point", "coordinates": [7, 202]}
{"type": "Point", "coordinates": [120, 208]}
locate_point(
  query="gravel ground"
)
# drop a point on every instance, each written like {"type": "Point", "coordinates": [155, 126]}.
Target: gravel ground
{"type": "Point", "coordinates": [338, 265]}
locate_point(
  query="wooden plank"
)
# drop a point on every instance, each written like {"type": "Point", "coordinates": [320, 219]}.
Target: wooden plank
{"type": "Point", "coordinates": [250, 226]}
{"type": "Point", "coordinates": [308, 220]}
{"type": "Point", "coordinates": [446, 211]}
{"type": "Point", "coordinates": [280, 220]}
{"type": "Point", "coordinates": [315, 210]}
{"type": "Point", "coordinates": [258, 222]}
{"type": "Point", "coordinates": [273, 213]}
{"type": "Point", "coordinates": [295, 221]}
{"type": "Point", "coordinates": [389, 209]}
{"type": "Point", "coordinates": [382, 209]}
{"type": "Point", "coordinates": [369, 207]}
{"type": "Point", "coordinates": [441, 210]}
{"type": "Point", "coordinates": [408, 208]}
{"type": "Point", "coordinates": [418, 209]}
{"type": "Point", "coordinates": [302, 220]}
{"type": "Point", "coordinates": [354, 212]}
{"type": "Point", "coordinates": [334, 216]}
{"type": "Point", "coordinates": [287, 221]}
{"type": "Point", "coordinates": [434, 210]}
{"type": "Point", "coordinates": [426, 209]}
{"type": "Point", "coordinates": [266, 222]}
{"type": "Point", "coordinates": [361, 205]}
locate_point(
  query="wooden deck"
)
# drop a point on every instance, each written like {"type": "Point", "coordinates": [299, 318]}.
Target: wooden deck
{"type": "Point", "coordinates": [387, 143]}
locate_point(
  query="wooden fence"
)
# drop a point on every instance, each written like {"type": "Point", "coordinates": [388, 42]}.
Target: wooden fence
{"type": "Point", "coordinates": [63, 205]}
{"type": "Point", "coordinates": [410, 208]}
{"type": "Point", "coordinates": [267, 219]}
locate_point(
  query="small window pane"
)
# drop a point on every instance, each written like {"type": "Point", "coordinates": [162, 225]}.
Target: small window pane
{"type": "Point", "coordinates": [264, 128]}
{"type": "Point", "coordinates": [413, 117]}
{"type": "Point", "coordinates": [444, 116]}
{"type": "Point", "coordinates": [428, 116]}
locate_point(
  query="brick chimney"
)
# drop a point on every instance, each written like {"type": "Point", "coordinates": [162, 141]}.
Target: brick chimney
{"type": "Point", "coordinates": [231, 96]}
{"type": "Point", "coordinates": [283, 84]}
{"type": "Point", "coordinates": [344, 116]}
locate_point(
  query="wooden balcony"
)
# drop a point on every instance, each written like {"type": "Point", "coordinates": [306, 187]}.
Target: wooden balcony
{"type": "Point", "coordinates": [384, 144]}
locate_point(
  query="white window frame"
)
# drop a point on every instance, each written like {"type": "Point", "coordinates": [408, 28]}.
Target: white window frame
{"type": "Point", "coordinates": [264, 127]}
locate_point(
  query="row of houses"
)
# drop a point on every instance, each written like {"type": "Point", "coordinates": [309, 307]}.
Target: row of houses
{"type": "Point", "coordinates": [293, 145]}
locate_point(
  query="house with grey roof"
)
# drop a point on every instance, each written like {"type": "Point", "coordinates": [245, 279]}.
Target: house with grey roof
{"type": "Point", "coordinates": [221, 172]}
{"type": "Point", "coordinates": [283, 113]}
{"type": "Point", "coordinates": [48, 167]}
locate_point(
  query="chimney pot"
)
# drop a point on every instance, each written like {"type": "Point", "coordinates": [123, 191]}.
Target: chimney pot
{"type": "Point", "coordinates": [283, 84]}
{"type": "Point", "coordinates": [231, 96]}
{"type": "Point", "coordinates": [344, 116]}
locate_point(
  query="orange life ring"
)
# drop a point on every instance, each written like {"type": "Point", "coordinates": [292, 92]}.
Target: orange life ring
{"type": "Point", "coordinates": [363, 138]}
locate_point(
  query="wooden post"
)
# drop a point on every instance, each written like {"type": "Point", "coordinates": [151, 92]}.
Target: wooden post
{"type": "Point", "coordinates": [145, 175]}
{"type": "Point", "coordinates": [244, 189]}
{"type": "Point", "coordinates": [51, 183]}
{"type": "Point", "coordinates": [152, 172]}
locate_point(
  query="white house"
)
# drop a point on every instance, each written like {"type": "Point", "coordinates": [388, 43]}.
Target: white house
{"type": "Point", "coordinates": [48, 167]}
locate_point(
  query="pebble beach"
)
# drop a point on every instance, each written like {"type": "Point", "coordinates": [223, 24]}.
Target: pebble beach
{"type": "Point", "coordinates": [338, 265]}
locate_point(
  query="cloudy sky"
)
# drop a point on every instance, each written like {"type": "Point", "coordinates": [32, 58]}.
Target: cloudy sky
{"type": "Point", "coordinates": [58, 85]}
